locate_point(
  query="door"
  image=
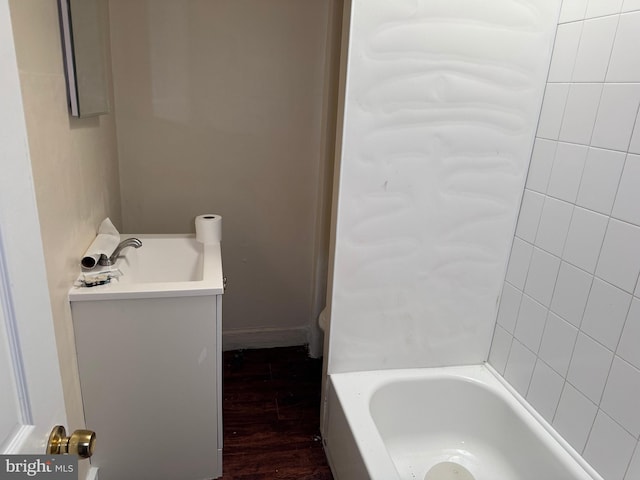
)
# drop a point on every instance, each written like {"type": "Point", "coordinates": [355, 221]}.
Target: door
{"type": "Point", "coordinates": [31, 401]}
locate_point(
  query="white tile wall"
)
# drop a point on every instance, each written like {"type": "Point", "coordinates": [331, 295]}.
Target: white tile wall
{"type": "Point", "coordinates": [574, 10]}
{"type": "Point", "coordinates": [574, 416]}
{"type": "Point", "coordinates": [500, 348]}
{"type": "Point", "coordinates": [567, 170]}
{"type": "Point", "coordinates": [541, 277]}
{"type": "Point", "coordinates": [553, 105]}
{"type": "Point", "coordinates": [544, 151]}
{"type": "Point", "coordinates": [624, 65]}
{"type": "Point", "coordinates": [628, 6]}
{"type": "Point", "coordinates": [585, 237]}
{"type": "Point", "coordinates": [600, 179]}
{"type": "Point", "coordinates": [558, 340]}
{"type": "Point", "coordinates": [609, 447]}
{"type": "Point", "coordinates": [622, 389]}
{"type": "Point", "coordinates": [596, 8]}
{"type": "Point", "coordinates": [566, 51]}
{"type": "Point", "coordinates": [590, 364]}
{"type": "Point", "coordinates": [520, 365]}
{"type": "Point", "coordinates": [616, 116]}
{"type": "Point", "coordinates": [530, 325]}
{"type": "Point", "coordinates": [628, 198]}
{"type": "Point", "coordinates": [634, 468]}
{"type": "Point", "coordinates": [635, 139]}
{"type": "Point", "coordinates": [553, 226]}
{"type": "Point", "coordinates": [580, 112]}
{"type": "Point", "coordinates": [619, 261]}
{"type": "Point", "coordinates": [568, 329]}
{"type": "Point", "coordinates": [509, 308]}
{"type": "Point", "coordinates": [594, 50]}
{"type": "Point", "coordinates": [605, 302]}
{"type": "Point", "coordinates": [571, 293]}
{"type": "Point", "coordinates": [530, 211]}
{"type": "Point", "coordinates": [628, 347]}
{"type": "Point", "coordinates": [545, 389]}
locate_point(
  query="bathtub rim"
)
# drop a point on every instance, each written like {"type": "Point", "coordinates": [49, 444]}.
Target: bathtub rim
{"type": "Point", "coordinates": [363, 384]}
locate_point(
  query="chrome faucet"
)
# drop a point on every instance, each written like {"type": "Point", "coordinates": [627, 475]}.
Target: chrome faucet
{"type": "Point", "coordinates": [129, 242]}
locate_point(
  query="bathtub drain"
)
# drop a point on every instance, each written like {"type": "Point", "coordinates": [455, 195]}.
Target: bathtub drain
{"type": "Point", "coordinates": [448, 471]}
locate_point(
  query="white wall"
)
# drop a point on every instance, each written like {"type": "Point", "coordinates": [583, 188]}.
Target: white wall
{"type": "Point", "coordinates": [568, 328]}
{"type": "Point", "coordinates": [221, 107]}
{"type": "Point", "coordinates": [441, 104]}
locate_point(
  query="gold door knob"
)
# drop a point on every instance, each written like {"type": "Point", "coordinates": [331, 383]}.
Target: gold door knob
{"type": "Point", "coordinates": [80, 443]}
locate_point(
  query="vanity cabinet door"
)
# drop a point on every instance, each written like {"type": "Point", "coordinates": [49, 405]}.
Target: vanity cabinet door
{"type": "Point", "coordinates": [150, 380]}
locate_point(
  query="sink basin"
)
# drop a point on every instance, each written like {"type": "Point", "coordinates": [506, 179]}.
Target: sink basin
{"type": "Point", "coordinates": [165, 265]}
{"type": "Point", "coordinates": [168, 259]}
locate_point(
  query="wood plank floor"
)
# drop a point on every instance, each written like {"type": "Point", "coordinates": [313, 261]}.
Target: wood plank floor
{"type": "Point", "coordinates": [271, 414]}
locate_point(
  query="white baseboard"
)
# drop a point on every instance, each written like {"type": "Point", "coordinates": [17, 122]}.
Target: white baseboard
{"type": "Point", "coordinates": [264, 338]}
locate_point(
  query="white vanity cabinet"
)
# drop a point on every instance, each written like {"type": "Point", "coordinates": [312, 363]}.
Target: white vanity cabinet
{"type": "Point", "coordinates": [149, 358]}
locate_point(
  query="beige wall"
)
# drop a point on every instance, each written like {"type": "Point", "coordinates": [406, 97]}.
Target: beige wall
{"type": "Point", "coordinates": [220, 108]}
{"type": "Point", "coordinates": [75, 171]}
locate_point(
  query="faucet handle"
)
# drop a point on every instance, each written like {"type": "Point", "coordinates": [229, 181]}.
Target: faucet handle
{"type": "Point", "coordinates": [104, 260]}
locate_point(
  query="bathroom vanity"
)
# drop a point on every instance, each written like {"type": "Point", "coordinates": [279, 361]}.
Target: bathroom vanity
{"type": "Point", "coordinates": [149, 358]}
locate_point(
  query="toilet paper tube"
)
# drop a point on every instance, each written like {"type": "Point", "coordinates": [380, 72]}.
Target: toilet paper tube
{"type": "Point", "coordinates": [209, 228]}
{"type": "Point", "coordinates": [105, 243]}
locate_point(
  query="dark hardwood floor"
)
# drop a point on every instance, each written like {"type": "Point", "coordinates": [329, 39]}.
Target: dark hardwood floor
{"type": "Point", "coordinates": [271, 415]}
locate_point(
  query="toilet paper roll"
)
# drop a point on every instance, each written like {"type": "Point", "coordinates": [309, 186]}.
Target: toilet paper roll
{"type": "Point", "coordinates": [209, 228]}
{"type": "Point", "coordinates": [105, 243]}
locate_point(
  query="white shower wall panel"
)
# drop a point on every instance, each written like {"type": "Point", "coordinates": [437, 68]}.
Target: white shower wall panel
{"type": "Point", "coordinates": [442, 100]}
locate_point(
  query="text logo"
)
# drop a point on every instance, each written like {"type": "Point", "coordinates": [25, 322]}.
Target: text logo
{"type": "Point", "coordinates": [50, 467]}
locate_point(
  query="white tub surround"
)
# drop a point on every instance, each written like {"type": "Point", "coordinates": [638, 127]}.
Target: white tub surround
{"type": "Point", "coordinates": [403, 424]}
{"type": "Point", "coordinates": [441, 103]}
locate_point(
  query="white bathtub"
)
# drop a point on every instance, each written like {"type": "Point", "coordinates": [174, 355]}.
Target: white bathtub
{"type": "Point", "coordinates": [440, 423]}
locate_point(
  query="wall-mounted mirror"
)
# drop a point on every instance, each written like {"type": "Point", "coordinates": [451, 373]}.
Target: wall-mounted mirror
{"type": "Point", "coordinates": [82, 24]}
